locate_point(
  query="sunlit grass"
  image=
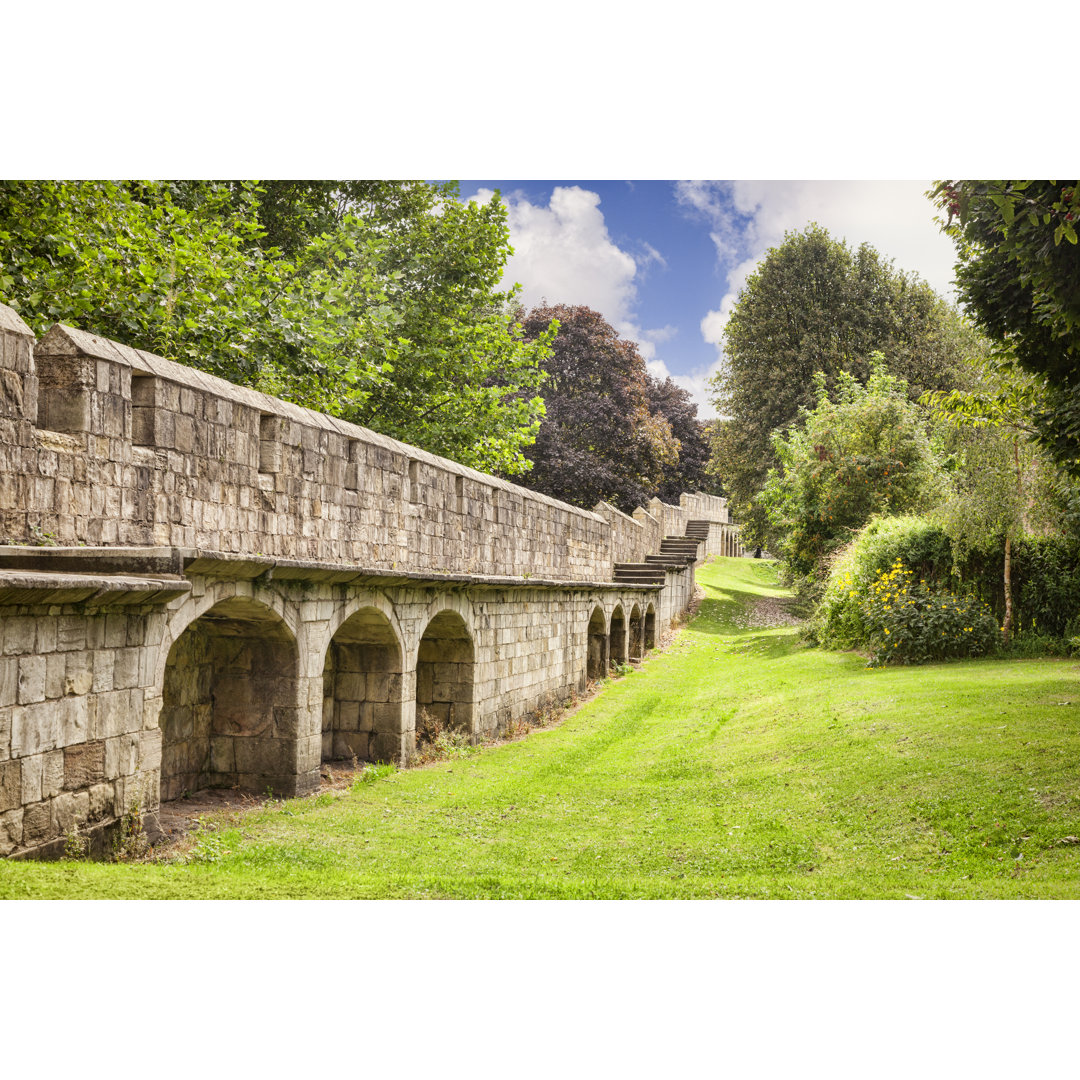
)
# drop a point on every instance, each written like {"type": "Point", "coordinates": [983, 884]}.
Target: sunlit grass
{"type": "Point", "coordinates": [737, 764]}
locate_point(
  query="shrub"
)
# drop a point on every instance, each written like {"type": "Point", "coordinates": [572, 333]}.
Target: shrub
{"type": "Point", "coordinates": [839, 621]}
{"type": "Point", "coordinates": [911, 621]}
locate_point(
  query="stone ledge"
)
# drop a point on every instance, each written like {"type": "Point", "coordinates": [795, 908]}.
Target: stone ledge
{"type": "Point", "coordinates": [18, 587]}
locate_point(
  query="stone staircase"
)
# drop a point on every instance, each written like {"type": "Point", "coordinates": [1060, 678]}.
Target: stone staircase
{"type": "Point", "coordinates": [676, 553]}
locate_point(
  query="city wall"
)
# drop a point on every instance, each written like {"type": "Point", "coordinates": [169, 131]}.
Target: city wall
{"type": "Point", "coordinates": [201, 585]}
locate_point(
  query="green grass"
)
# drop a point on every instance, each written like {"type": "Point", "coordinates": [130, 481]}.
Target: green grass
{"type": "Point", "coordinates": [737, 764]}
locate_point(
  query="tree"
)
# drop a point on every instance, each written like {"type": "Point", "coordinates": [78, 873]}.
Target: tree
{"type": "Point", "coordinates": [814, 305]}
{"type": "Point", "coordinates": [1018, 272]}
{"type": "Point", "coordinates": [688, 473]}
{"type": "Point", "coordinates": [861, 451]}
{"type": "Point", "coordinates": [1002, 486]}
{"type": "Point", "coordinates": [599, 439]}
{"type": "Point", "coordinates": [380, 306]}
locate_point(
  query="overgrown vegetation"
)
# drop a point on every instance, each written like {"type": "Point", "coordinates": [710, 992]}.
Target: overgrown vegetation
{"type": "Point", "coordinates": [737, 764]}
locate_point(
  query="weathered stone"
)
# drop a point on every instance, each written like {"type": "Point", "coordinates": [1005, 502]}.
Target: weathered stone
{"type": "Point", "coordinates": [84, 765]}
{"type": "Point", "coordinates": [31, 686]}
{"type": "Point", "coordinates": [38, 822]}
{"type": "Point", "coordinates": [11, 831]}
{"type": "Point", "coordinates": [10, 785]}
{"type": "Point", "coordinates": [52, 774]}
{"type": "Point", "coordinates": [32, 768]}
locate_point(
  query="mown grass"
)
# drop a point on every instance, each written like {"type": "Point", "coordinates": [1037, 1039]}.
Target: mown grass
{"type": "Point", "coordinates": [737, 764]}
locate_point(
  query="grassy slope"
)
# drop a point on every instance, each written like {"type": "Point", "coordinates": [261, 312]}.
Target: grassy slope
{"type": "Point", "coordinates": [737, 764]}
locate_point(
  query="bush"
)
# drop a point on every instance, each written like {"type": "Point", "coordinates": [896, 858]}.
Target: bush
{"type": "Point", "coordinates": [839, 622]}
{"type": "Point", "coordinates": [912, 621]}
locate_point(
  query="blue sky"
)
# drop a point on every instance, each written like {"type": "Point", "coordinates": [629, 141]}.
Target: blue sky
{"type": "Point", "coordinates": [664, 260]}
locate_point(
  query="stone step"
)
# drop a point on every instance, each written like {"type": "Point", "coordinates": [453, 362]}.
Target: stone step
{"type": "Point", "coordinates": [638, 574]}
{"type": "Point", "coordinates": [674, 561]}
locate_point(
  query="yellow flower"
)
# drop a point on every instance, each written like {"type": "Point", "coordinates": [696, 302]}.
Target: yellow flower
{"type": "Point", "coordinates": [886, 631]}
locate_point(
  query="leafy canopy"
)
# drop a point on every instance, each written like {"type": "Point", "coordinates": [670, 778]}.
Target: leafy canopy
{"type": "Point", "coordinates": [375, 301]}
{"type": "Point", "coordinates": [860, 452]}
{"type": "Point", "coordinates": [1018, 273]}
{"type": "Point", "coordinates": [816, 305]}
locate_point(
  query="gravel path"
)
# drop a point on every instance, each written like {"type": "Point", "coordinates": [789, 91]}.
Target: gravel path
{"type": "Point", "coordinates": [766, 612]}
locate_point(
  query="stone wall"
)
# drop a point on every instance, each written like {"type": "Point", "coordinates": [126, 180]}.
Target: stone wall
{"type": "Point", "coordinates": [135, 450]}
{"type": "Point", "coordinates": [204, 586]}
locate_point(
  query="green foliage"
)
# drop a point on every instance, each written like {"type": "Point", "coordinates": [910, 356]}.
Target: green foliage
{"type": "Point", "coordinates": [861, 452]}
{"type": "Point", "coordinates": [815, 305]}
{"type": "Point", "coordinates": [1045, 582]}
{"type": "Point", "coordinates": [1018, 273]}
{"type": "Point", "coordinates": [916, 542]}
{"type": "Point", "coordinates": [379, 770]}
{"type": "Point", "coordinates": [380, 307]}
{"type": "Point", "coordinates": [909, 620]}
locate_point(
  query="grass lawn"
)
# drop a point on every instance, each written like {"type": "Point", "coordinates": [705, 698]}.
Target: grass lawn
{"type": "Point", "coordinates": [736, 764]}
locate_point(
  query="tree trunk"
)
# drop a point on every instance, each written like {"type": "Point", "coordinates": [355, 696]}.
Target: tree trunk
{"type": "Point", "coordinates": [1006, 626]}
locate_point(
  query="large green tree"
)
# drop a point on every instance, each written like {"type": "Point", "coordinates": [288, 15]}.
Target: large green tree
{"type": "Point", "coordinates": [376, 301]}
{"type": "Point", "coordinates": [1018, 273]}
{"type": "Point", "coordinates": [814, 304]}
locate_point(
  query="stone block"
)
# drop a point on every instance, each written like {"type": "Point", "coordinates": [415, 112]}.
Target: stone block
{"type": "Point", "coordinates": [78, 676]}
{"type": "Point", "coordinates": [126, 668]}
{"type": "Point", "coordinates": [222, 756]}
{"type": "Point", "coordinates": [35, 729]}
{"type": "Point", "coordinates": [102, 801]}
{"type": "Point", "coordinates": [70, 633]}
{"type": "Point", "coordinates": [37, 823]}
{"type": "Point", "coordinates": [386, 717]}
{"type": "Point", "coordinates": [348, 716]}
{"type": "Point", "coordinates": [32, 768]}
{"type": "Point", "coordinates": [117, 712]}
{"type": "Point", "coordinates": [349, 686]}
{"type": "Point", "coordinates": [31, 685]}
{"type": "Point", "coordinates": [84, 765]}
{"type": "Point", "coordinates": [149, 750]}
{"type": "Point", "coordinates": [74, 719]}
{"type": "Point", "coordinates": [68, 810]}
{"type": "Point", "coordinates": [121, 756]}
{"type": "Point", "coordinates": [52, 774]}
{"type": "Point", "coordinates": [10, 785]}
{"type": "Point", "coordinates": [264, 756]}
{"type": "Point", "coordinates": [9, 681]}
{"type": "Point", "coordinates": [11, 831]}
{"type": "Point", "coordinates": [19, 634]}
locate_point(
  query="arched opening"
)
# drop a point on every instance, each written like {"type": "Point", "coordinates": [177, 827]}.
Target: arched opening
{"type": "Point", "coordinates": [637, 631]}
{"type": "Point", "coordinates": [362, 690]}
{"type": "Point", "coordinates": [650, 628]}
{"type": "Point", "coordinates": [596, 663]}
{"type": "Point", "coordinates": [618, 637]}
{"type": "Point", "coordinates": [229, 714]}
{"type": "Point", "coordinates": [444, 675]}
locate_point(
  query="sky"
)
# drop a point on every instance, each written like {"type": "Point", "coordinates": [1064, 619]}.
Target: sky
{"type": "Point", "coordinates": [664, 261]}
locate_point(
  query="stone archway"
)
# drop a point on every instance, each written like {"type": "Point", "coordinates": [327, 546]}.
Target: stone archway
{"type": "Point", "coordinates": [637, 632]}
{"type": "Point", "coordinates": [445, 674]}
{"type": "Point", "coordinates": [618, 636]}
{"type": "Point", "coordinates": [229, 713]}
{"type": "Point", "coordinates": [362, 684]}
{"type": "Point", "coordinates": [597, 659]}
{"type": "Point", "coordinates": [649, 629]}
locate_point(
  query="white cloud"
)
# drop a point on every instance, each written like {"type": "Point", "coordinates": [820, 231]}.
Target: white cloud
{"type": "Point", "coordinates": [893, 216]}
{"type": "Point", "coordinates": [563, 254]}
